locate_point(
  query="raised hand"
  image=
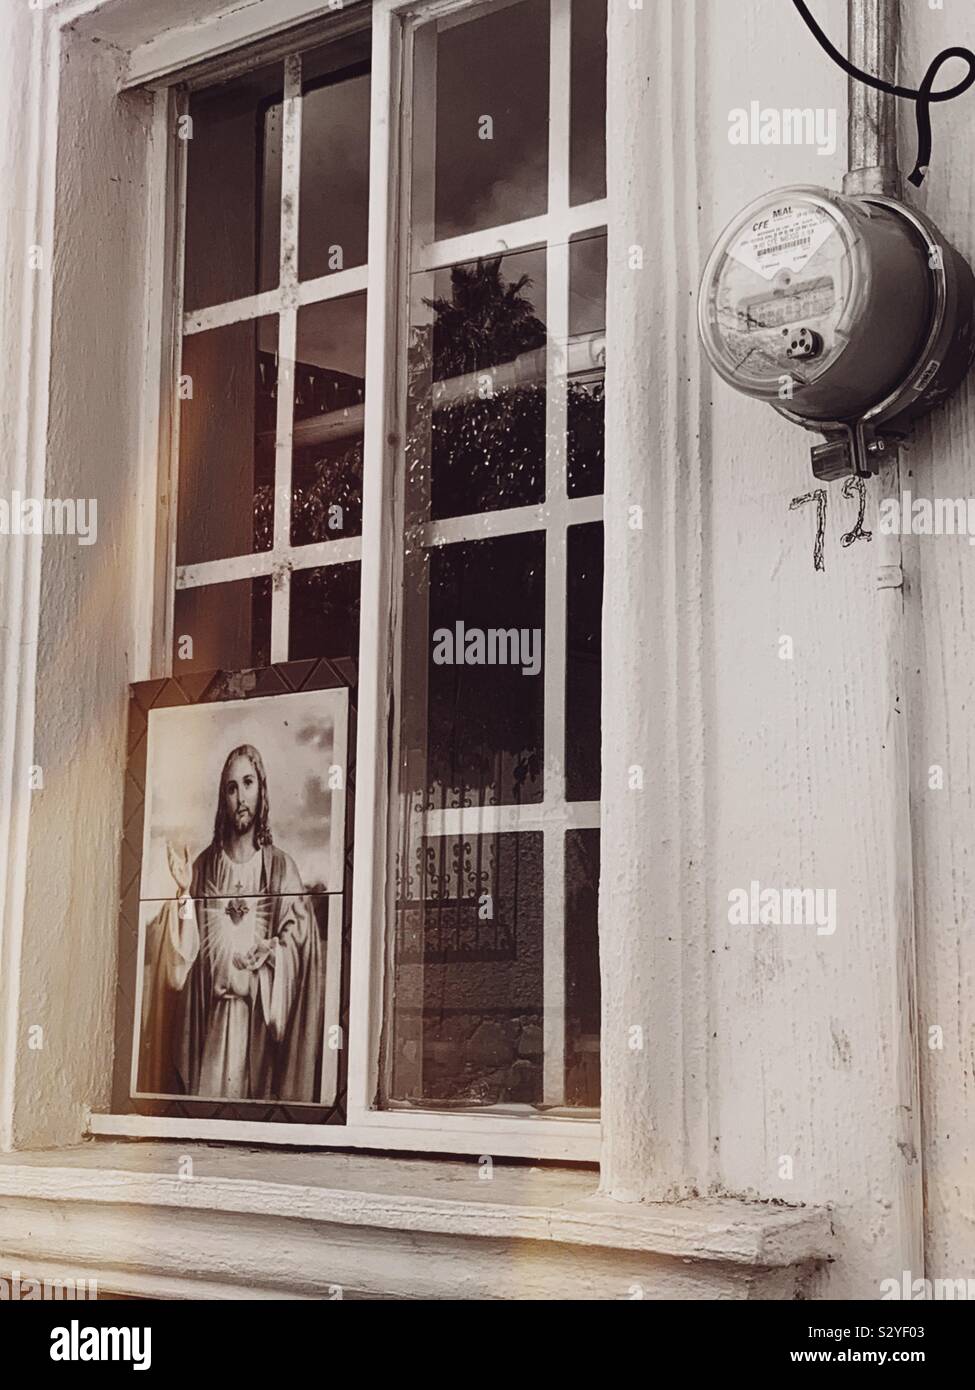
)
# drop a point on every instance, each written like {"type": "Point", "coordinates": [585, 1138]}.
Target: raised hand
{"type": "Point", "coordinates": [180, 867]}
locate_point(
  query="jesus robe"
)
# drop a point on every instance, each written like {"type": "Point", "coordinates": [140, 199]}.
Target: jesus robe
{"type": "Point", "coordinates": [214, 1029]}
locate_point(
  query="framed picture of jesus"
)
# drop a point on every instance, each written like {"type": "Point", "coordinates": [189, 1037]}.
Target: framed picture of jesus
{"type": "Point", "coordinates": [240, 911]}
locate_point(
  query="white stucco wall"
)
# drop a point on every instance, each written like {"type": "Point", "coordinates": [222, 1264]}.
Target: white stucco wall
{"type": "Point", "coordinates": [943, 663]}
{"type": "Point", "coordinates": [17, 232]}
{"type": "Point", "coordinates": [805, 787]}
{"type": "Point", "coordinates": [93, 257]}
{"type": "Point", "coordinates": [800, 787]}
{"type": "Point", "coordinates": [786, 1044]}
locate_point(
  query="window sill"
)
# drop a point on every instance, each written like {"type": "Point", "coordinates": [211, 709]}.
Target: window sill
{"type": "Point", "coordinates": [502, 1135]}
{"type": "Point", "coordinates": [360, 1225]}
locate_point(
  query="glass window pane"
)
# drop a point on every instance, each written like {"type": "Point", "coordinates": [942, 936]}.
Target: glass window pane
{"type": "Point", "coordinates": [587, 287]}
{"type": "Point", "coordinates": [333, 206]}
{"type": "Point", "coordinates": [467, 1018]}
{"type": "Point", "coordinates": [587, 166]}
{"type": "Point", "coordinates": [329, 412]}
{"type": "Point", "coordinates": [324, 616]}
{"type": "Point", "coordinates": [586, 430]}
{"type": "Point", "coordinates": [226, 441]}
{"type": "Point", "coordinates": [233, 189]}
{"type": "Point", "coordinates": [587, 365]}
{"type": "Point", "coordinates": [481, 119]}
{"type": "Point", "coordinates": [583, 661]}
{"type": "Point", "coordinates": [473, 676]}
{"type": "Point", "coordinates": [477, 388]}
{"type": "Point", "coordinates": [222, 627]}
{"type": "Point", "coordinates": [468, 1021]}
{"type": "Point", "coordinates": [582, 990]}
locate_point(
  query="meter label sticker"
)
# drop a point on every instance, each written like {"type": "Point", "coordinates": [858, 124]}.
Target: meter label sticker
{"type": "Point", "coordinates": [924, 380]}
{"type": "Point", "coordinates": [782, 238]}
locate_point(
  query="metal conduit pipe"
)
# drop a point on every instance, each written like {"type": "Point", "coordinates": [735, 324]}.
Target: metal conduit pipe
{"type": "Point", "coordinates": [873, 38]}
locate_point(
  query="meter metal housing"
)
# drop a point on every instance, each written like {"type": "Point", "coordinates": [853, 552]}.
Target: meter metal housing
{"type": "Point", "coordinates": [851, 315]}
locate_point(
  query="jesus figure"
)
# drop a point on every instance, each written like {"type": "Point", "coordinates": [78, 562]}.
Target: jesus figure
{"type": "Point", "coordinates": [235, 1006]}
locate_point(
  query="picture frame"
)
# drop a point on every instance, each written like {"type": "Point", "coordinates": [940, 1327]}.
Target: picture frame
{"type": "Point", "coordinates": [231, 982]}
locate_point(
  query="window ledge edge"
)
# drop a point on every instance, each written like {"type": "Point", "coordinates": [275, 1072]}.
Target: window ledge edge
{"type": "Point", "coordinates": [74, 1206]}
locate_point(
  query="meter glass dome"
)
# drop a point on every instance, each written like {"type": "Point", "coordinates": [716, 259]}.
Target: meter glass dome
{"type": "Point", "coordinates": [777, 292]}
{"type": "Point", "coordinates": [818, 299]}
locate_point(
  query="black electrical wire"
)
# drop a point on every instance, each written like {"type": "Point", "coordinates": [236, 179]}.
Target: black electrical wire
{"type": "Point", "coordinates": [922, 97]}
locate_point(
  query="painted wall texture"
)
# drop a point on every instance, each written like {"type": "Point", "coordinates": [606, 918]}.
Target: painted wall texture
{"type": "Point", "coordinates": [800, 782]}
{"type": "Point", "coordinates": [940, 697]}
{"type": "Point", "coordinates": [805, 785]}
{"type": "Point", "coordinates": [788, 1069]}
{"type": "Point", "coordinates": [782, 1064]}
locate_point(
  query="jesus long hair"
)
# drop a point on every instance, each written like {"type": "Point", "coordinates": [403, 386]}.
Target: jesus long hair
{"type": "Point", "coordinates": [223, 821]}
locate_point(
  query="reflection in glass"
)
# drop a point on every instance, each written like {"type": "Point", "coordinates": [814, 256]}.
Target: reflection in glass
{"type": "Point", "coordinates": [480, 158]}
{"type": "Point", "coordinates": [233, 189]}
{"type": "Point", "coordinates": [587, 364]}
{"type": "Point", "coordinates": [473, 723]}
{"type": "Point", "coordinates": [226, 441]}
{"type": "Point", "coordinates": [582, 991]}
{"type": "Point", "coordinates": [324, 616]}
{"type": "Point", "coordinates": [583, 661]}
{"type": "Point", "coordinates": [477, 388]}
{"type": "Point", "coordinates": [467, 1005]}
{"type": "Point", "coordinates": [329, 396]}
{"type": "Point", "coordinates": [587, 287]}
{"type": "Point", "coordinates": [586, 431]}
{"type": "Point", "coordinates": [467, 1021]}
{"type": "Point", "coordinates": [587, 140]}
{"type": "Point", "coordinates": [333, 207]}
{"type": "Point", "coordinates": [222, 627]}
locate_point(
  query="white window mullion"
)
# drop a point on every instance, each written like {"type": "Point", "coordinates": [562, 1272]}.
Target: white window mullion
{"type": "Point", "coordinates": [460, 822]}
{"type": "Point", "coordinates": [333, 998]}
{"type": "Point", "coordinates": [494, 241]}
{"type": "Point", "coordinates": [323, 554]}
{"type": "Point", "coordinates": [335, 285]}
{"type": "Point", "coordinates": [227, 571]}
{"type": "Point", "coordinates": [254, 306]}
{"type": "Point", "coordinates": [379, 544]}
{"type": "Point", "coordinates": [556, 419]}
{"type": "Point", "coordinates": [513, 521]}
{"type": "Point", "coordinates": [290, 172]}
{"type": "Point", "coordinates": [163, 650]}
{"type": "Point", "coordinates": [287, 354]}
{"type": "Point", "coordinates": [281, 571]}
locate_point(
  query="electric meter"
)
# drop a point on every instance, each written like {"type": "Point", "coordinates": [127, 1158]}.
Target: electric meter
{"type": "Point", "coordinates": [851, 315]}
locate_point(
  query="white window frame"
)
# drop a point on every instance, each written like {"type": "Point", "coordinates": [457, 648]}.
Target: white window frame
{"type": "Point", "coordinates": [393, 24]}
